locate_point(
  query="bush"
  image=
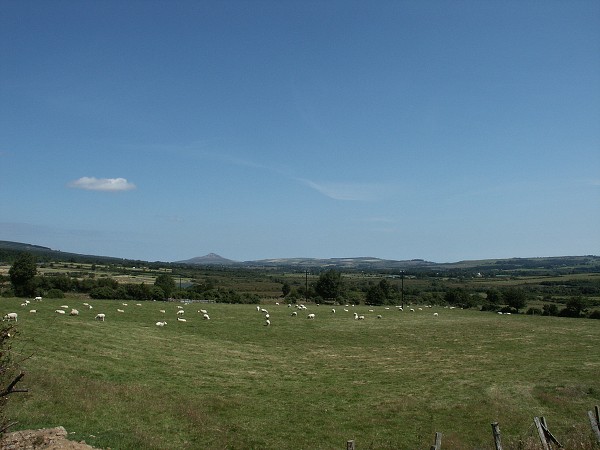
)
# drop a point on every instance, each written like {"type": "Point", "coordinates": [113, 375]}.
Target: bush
{"type": "Point", "coordinates": [534, 312]}
{"type": "Point", "coordinates": [55, 293]}
{"type": "Point", "coordinates": [594, 315]}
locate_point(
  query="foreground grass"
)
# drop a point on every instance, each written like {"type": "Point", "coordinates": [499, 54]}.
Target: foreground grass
{"type": "Point", "coordinates": [308, 384]}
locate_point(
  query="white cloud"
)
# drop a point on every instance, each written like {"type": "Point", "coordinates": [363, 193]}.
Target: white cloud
{"type": "Point", "coordinates": [348, 191]}
{"type": "Point", "coordinates": [102, 184]}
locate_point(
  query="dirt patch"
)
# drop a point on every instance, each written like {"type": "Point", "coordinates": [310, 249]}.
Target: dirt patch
{"type": "Point", "coordinates": [47, 439]}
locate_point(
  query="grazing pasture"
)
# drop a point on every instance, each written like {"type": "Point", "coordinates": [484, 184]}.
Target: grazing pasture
{"type": "Point", "coordinates": [232, 382]}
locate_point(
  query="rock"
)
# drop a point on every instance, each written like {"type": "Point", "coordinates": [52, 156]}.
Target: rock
{"type": "Point", "coordinates": [46, 439]}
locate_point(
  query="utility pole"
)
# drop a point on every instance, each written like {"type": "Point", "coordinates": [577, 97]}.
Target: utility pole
{"type": "Point", "coordinates": [402, 289]}
{"type": "Point", "coordinates": [306, 288]}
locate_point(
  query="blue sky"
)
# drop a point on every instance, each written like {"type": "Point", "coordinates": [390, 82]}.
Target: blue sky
{"type": "Point", "coordinates": [164, 130]}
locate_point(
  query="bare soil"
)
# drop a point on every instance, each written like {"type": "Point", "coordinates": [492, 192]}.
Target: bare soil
{"type": "Point", "coordinates": [47, 439]}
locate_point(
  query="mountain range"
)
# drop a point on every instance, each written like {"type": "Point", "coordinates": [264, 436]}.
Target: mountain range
{"type": "Point", "coordinates": [562, 264]}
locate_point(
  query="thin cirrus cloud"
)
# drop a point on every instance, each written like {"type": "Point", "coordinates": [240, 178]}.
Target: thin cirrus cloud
{"type": "Point", "coordinates": [364, 192]}
{"type": "Point", "coordinates": [102, 184]}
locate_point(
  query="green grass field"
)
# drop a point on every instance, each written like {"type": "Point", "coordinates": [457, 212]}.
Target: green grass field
{"type": "Point", "coordinates": [233, 383]}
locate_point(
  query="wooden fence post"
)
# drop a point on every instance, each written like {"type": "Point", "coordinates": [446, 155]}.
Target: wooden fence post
{"type": "Point", "coordinates": [350, 445]}
{"type": "Point", "coordinates": [438, 442]}
{"type": "Point", "coordinates": [496, 433]}
{"type": "Point", "coordinates": [594, 423]}
{"type": "Point", "coordinates": [540, 429]}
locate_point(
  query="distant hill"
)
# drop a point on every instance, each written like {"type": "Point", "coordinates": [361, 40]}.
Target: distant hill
{"type": "Point", "coordinates": [532, 266]}
{"type": "Point", "coordinates": [212, 259]}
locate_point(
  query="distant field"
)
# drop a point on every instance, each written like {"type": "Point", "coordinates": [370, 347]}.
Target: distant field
{"type": "Point", "coordinates": [231, 382]}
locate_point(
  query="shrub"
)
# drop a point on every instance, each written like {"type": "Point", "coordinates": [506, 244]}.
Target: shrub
{"type": "Point", "coordinates": [55, 293]}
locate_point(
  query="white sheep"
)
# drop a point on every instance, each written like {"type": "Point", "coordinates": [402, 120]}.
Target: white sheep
{"type": "Point", "coordinates": [162, 311]}
{"type": "Point", "coordinates": [65, 306]}
{"type": "Point", "coordinates": [267, 316]}
{"type": "Point", "coordinates": [124, 304]}
{"type": "Point", "coordinates": [203, 311]}
{"type": "Point", "coordinates": [86, 304]}
{"type": "Point", "coordinates": [361, 317]}
{"type": "Point", "coordinates": [435, 314]}
{"type": "Point", "coordinates": [161, 324]}
{"type": "Point", "coordinates": [11, 316]}
{"type": "Point", "coordinates": [333, 310]}
{"type": "Point", "coordinates": [310, 316]}
{"type": "Point", "coordinates": [120, 310]}
{"type": "Point", "coordinates": [267, 322]}
{"type": "Point", "coordinates": [258, 308]}
{"type": "Point", "coordinates": [181, 319]}
{"type": "Point", "coordinates": [38, 299]}
{"type": "Point", "coordinates": [180, 312]}
{"type": "Point", "coordinates": [179, 307]}
{"type": "Point", "coordinates": [355, 316]}
{"type": "Point", "coordinates": [60, 311]}
{"type": "Point", "coordinates": [206, 317]}
{"type": "Point", "coordinates": [100, 317]}
{"type": "Point", "coordinates": [379, 316]}
{"type": "Point", "coordinates": [74, 312]}
{"type": "Point", "coordinates": [138, 304]}
{"type": "Point", "coordinates": [294, 313]}
{"type": "Point", "coordinates": [33, 311]}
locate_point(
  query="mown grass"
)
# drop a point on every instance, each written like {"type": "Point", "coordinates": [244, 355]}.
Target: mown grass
{"type": "Point", "coordinates": [307, 384]}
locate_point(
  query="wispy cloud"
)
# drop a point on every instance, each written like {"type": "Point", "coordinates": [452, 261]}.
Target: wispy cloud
{"type": "Point", "coordinates": [364, 192]}
{"type": "Point", "coordinates": [102, 184]}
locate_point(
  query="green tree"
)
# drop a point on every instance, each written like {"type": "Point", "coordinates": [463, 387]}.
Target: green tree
{"type": "Point", "coordinates": [375, 295]}
{"type": "Point", "coordinates": [515, 298]}
{"type": "Point", "coordinates": [166, 283]}
{"type": "Point", "coordinates": [493, 296]}
{"type": "Point", "coordinates": [22, 274]}
{"type": "Point", "coordinates": [285, 289]}
{"type": "Point", "coordinates": [576, 307]}
{"type": "Point", "coordinates": [330, 285]}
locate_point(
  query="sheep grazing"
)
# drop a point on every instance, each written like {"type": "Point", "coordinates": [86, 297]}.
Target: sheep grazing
{"type": "Point", "coordinates": [310, 316]}
{"type": "Point", "coordinates": [361, 317]}
{"type": "Point", "coordinates": [258, 308]}
{"type": "Point", "coordinates": [138, 304]}
{"type": "Point", "coordinates": [181, 319]}
{"type": "Point", "coordinates": [74, 312]}
{"type": "Point", "coordinates": [180, 312]}
{"type": "Point", "coordinates": [65, 306]}
{"type": "Point", "coordinates": [203, 311]}
{"type": "Point", "coordinates": [11, 316]}
{"type": "Point", "coordinates": [60, 311]}
{"type": "Point", "coordinates": [162, 311]}
{"type": "Point", "coordinates": [161, 324]}
{"type": "Point", "coordinates": [33, 311]}
{"type": "Point", "coordinates": [267, 316]}
{"type": "Point", "coordinates": [120, 310]}
{"type": "Point", "coordinates": [206, 317]}
{"type": "Point", "coordinates": [435, 314]}
{"type": "Point", "coordinates": [86, 304]}
{"type": "Point", "coordinates": [38, 299]}
{"type": "Point", "coordinates": [179, 307]}
{"type": "Point", "coordinates": [379, 316]}
{"type": "Point", "coordinates": [355, 316]}
{"type": "Point", "coordinates": [264, 311]}
{"type": "Point", "coordinates": [267, 322]}
{"type": "Point", "coordinates": [124, 304]}
{"type": "Point", "coordinates": [100, 317]}
{"type": "Point", "coordinates": [294, 313]}
{"type": "Point", "coordinates": [333, 310]}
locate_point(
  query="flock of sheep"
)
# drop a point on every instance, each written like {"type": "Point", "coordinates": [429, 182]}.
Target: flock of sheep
{"type": "Point", "coordinates": [62, 310]}
{"type": "Point", "coordinates": [13, 316]}
{"type": "Point", "coordinates": [311, 316]}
